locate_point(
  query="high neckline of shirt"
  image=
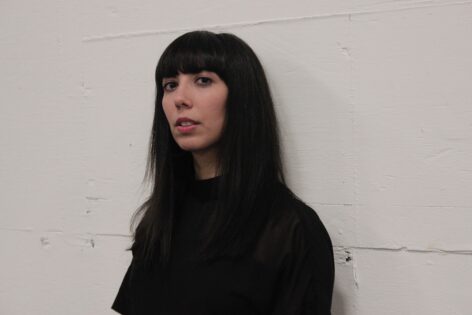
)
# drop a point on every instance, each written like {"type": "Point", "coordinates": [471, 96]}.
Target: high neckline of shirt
{"type": "Point", "coordinates": [204, 189]}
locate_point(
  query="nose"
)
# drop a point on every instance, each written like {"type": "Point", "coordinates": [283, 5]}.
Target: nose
{"type": "Point", "coordinates": [182, 96]}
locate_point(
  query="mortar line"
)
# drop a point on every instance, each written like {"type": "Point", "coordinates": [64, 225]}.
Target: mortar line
{"type": "Point", "coordinates": [406, 249]}
{"type": "Point", "coordinates": [262, 22]}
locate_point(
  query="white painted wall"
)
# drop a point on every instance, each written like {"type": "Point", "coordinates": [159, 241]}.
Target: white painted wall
{"type": "Point", "coordinates": [375, 103]}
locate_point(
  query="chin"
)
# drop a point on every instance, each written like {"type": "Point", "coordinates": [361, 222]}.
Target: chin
{"type": "Point", "coordinates": [194, 148]}
{"type": "Point", "coordinates": [190, 147]}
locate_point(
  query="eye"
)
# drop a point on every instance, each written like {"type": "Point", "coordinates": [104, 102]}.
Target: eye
{"type": "Point", "coordinates": [204, 80]}
{"type": "Point", "coordinates": [169, 86]}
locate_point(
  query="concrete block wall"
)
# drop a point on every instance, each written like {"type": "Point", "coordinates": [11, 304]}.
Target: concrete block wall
{"type": "Point", "coordinates": [375, 104]}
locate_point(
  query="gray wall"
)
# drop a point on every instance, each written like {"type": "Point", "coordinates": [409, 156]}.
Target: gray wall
{"type": "Point", "coordinates": [374, 99]}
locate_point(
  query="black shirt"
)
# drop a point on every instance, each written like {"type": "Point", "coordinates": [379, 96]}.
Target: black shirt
{"type": "Point", "coordinates": [289, 272]}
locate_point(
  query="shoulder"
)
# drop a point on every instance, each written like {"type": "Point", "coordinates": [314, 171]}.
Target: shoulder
{"type": "Point", "coordinates": [295, 229]}
{"type": "Point", "coordinates": [308, 240]}
{"type": "Point", "coordinates": [306, 269]}
{"type": "Point", "coordinates": [294, 211]}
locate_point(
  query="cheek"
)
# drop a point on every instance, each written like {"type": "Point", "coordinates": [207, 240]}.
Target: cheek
{"type": "Point", "coordinates": [218, 111]}
{"type": "Point", "coordinates": [166, 108]}
{"type": "Point", "coordinates": [219, 102]}
{"type": "Point", "coordinates": [219, 117]}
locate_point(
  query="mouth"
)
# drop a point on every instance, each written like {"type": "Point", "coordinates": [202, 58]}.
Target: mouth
{"type": "Point", "coordinates": [185, 128]}
{"type": "Point", "coordinates": [184, 122]}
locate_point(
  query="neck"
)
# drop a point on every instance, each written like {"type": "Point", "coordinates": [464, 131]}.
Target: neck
{"type": "Point", "coordinates": [204, 164]}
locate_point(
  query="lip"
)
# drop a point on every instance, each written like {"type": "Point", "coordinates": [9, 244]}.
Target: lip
{"type": "Point", "coordinates": [182, 119]}
{"type": "Point", "coordinates": [186, 129]}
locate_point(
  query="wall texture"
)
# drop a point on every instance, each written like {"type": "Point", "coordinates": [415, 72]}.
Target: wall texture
{"type": "Point", "coordinates": [375, 102]}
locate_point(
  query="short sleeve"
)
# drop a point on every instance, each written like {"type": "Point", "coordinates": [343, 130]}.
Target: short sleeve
{"type": "Point", "coordinates": [305, 284]}
{"type": "Point", "coordinates": [122, 302]}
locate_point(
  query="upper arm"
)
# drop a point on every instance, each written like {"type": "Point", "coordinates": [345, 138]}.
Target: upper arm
{"type": "Point", "coordinates": [122, 302]}
{"type": "Point", "coordinates": [305, 284]}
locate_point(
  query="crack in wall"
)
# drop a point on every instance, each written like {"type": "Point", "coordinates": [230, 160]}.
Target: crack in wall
{"type": "Point", "coordinates": [426, 4]}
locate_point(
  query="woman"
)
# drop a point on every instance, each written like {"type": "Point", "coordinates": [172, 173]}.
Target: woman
{"type": "Point", "coordinates": [221, 233]}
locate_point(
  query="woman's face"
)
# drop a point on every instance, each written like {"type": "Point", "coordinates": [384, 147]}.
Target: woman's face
{"type": "Point", "coordinates": [199, 97]}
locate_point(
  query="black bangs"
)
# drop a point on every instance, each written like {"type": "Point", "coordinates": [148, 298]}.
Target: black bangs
{"type": "Point", "coordinates": [191, 53]}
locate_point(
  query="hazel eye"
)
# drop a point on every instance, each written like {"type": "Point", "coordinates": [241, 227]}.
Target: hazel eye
{"type": "Point", "coordinates": [204, 80]}
{"type": "Point", "coordinates": [168, 86]}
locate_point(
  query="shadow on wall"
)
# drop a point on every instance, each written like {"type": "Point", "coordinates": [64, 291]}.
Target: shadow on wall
{"type": "Point", "coordinates": [307, 101]}
{"type": "Point", "coordinates": [339, 307]}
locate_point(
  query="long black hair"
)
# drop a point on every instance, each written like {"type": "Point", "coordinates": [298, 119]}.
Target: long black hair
{"type": "Point", "coordinates": [249, 153]}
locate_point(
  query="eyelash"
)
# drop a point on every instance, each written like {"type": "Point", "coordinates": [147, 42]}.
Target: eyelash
{"type": "Point", "coordinates": [209, 81]}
